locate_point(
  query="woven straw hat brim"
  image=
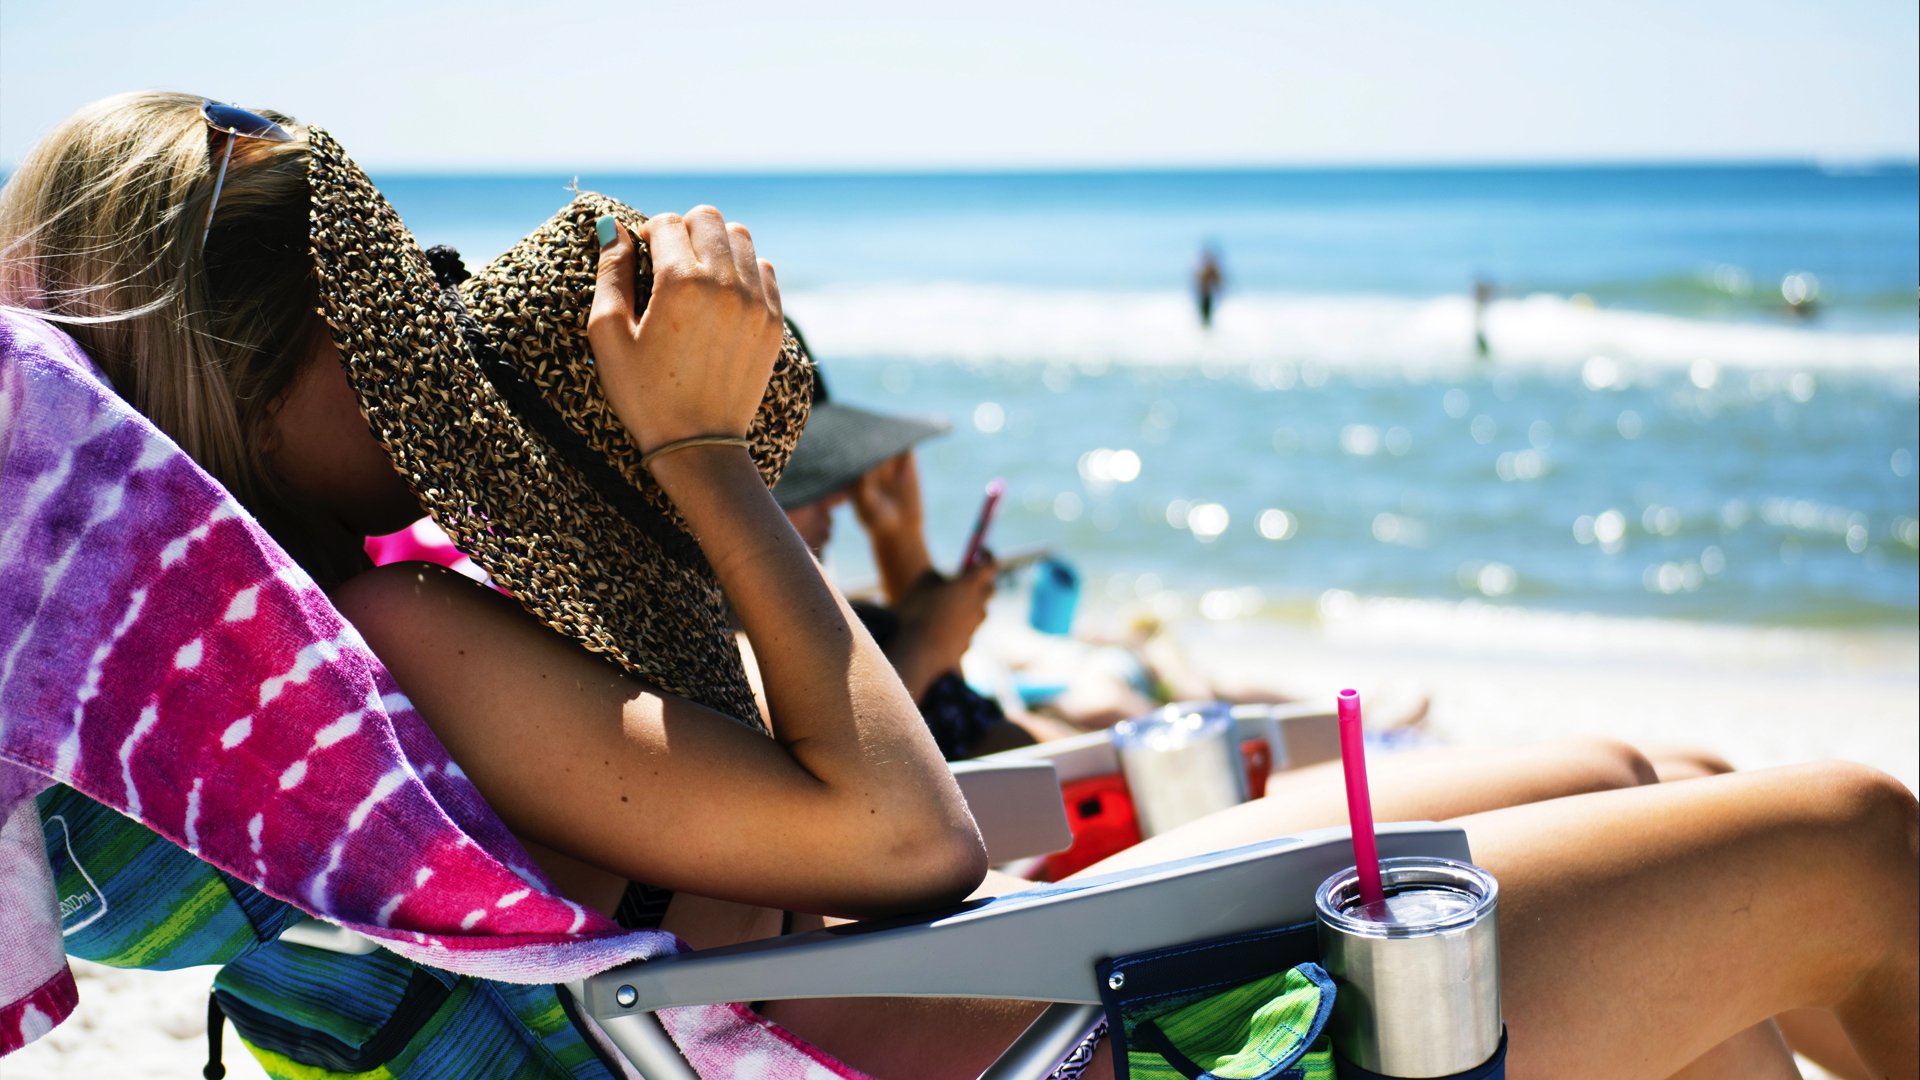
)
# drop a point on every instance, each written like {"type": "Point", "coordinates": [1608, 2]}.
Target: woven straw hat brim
{"type": "Point", "coordinates": [841, 444]}
{"type": "Point", "coordinates": [486, 401]}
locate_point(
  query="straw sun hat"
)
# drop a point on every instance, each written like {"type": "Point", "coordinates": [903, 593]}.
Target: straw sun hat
{"type": "Point", "coordinates": [482, 390]}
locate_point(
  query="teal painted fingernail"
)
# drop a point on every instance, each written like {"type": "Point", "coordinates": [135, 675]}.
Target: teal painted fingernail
{"type": "Point", "coordinates": [606, 229]}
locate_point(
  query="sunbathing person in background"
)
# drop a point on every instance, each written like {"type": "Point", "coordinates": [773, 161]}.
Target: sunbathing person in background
{"type": "Point", "coordinates": [1645, 928]}
{"type": "Point", "coordinates": [930, 620]}
{"type": "Point", "coordinates": [849, 454]}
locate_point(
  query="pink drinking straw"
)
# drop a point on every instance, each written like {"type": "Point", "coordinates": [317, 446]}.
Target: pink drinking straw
{"type": "Point", "coordinates": [1353, 755]}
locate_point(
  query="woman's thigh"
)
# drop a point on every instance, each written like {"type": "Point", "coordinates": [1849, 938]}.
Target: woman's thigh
{"type": "Point", "coordinates": [1639, 929]}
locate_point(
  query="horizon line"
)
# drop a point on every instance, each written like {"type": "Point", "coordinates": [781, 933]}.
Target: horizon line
{"type": "Point", "coordinates": [1829, 164]}
{"type": "Point", "coordinates": [1833, 165]}
{"type": "Point", "coordinates": [1837, 166]}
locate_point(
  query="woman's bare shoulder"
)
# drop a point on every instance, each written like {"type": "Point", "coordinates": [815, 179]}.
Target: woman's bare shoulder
{"type": "Point", "coordinates": [400, 594]}
{"type": "Point", "coordinates": [429, 622]}
{"type": "Point", "coordinates": [468, 656]}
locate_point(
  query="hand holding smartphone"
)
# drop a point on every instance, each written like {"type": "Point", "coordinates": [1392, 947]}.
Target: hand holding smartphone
{"type": "Point", "coordinates": [978, 539]}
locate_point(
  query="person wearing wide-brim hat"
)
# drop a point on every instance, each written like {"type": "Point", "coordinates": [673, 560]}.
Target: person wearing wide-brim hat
{"type": "Point", "coordinates": [595, 417]}
{"type": "Point", "coordinates": [849, 454]}
{"type": "Point", "coordinates": [621, 407]}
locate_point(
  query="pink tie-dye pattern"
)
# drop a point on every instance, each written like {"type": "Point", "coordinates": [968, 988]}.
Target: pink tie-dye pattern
{"type": "Point", "coordinates": [160, 654]}
{"type": "Point", "coordinates": [734, 1042]}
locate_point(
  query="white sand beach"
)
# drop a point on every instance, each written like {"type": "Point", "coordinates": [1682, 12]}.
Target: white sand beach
{"type": "Point", "coordinates": [1495, 676]}
{"type": "Point", "coordinates": [1498, 676]}
{"type": "Point", "coordinates": [132, 1025]}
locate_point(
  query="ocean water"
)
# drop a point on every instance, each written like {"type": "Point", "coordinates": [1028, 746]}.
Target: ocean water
{"type": "Point", "coordinates": [1653, 433]}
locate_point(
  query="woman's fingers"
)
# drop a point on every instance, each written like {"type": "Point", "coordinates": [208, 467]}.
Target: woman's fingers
{"type": "Point", "coordinates": [712, 243]}
{"type": "Point", "coordinates": [771, 285]}
{"type": "Point", "coordinates": [611, 316]}
{"type": "Point", "coordinates": [754, 272]}
{"type": "Point", "coordinates": [978, 578]}
{"type": "Point", "coordinates": [740, 248]}
{"type": "Point", "coordinates": [707, 245]}
{"type": "Point", "coordinates": [672, 248]}
{"type": "Point", "coordinates": [702, 352]}
{"type": "Point", "coordinates": [989, 572]}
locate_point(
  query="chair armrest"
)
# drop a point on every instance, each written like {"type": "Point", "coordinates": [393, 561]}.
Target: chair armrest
{"type": "Point", "coordinates": [1039, 944]}
{"type": "Point", "coordinates": [1074, 758]}
{"type": "Point", "coordinates": [1297, 734]}
{"type": "Point", "coordinates": [1017, 806]}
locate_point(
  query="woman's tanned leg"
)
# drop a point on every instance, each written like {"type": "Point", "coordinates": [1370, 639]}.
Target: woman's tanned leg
{"type": "Point", "coordinates": [1640, 929]}
{"type": "Point", "coordinates": [890, 1037]}
{"type": "Point", "coordinates": [1677, 762]}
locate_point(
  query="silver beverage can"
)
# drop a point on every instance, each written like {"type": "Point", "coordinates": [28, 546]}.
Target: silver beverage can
{"type": "Point", "coordinates": [1182, 762]}
{"type": "Point", "coordinates": [1418, 975]}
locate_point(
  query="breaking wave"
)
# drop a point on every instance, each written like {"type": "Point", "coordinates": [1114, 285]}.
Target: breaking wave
{"type": "Point", "coordinates": [979, 323]}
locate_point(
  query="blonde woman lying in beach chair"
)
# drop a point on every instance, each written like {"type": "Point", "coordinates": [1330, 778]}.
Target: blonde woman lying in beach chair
{"type": "Point", "coordinates": [596, 423]}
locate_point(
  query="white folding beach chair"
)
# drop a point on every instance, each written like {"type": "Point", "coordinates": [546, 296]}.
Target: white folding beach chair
{"type": "Point", "coordinates": [1038, 945]}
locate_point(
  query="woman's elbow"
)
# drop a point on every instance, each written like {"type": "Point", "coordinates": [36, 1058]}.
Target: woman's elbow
{"type": "Point", "coordinates": [953, 864]}
{"type": "Point", "coordinates": [927, 869]}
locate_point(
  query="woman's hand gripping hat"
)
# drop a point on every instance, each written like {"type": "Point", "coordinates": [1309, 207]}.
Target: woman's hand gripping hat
{"type": "Point", "coordinates": [482, 391]}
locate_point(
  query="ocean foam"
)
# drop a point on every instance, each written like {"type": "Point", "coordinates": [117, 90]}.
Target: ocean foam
{"type": "Point", "coordinates": [978, 323]}
{"type": "Point", "coordinates": [1475, 626]}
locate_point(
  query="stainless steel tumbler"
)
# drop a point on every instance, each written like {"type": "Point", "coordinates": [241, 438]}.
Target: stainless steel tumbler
{"type": "Point", "coordinates": [1182, 762]}
{"type": "Point", "coordinates": [1418, 974]}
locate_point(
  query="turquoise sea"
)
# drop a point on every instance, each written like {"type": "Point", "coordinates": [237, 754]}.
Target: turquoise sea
{"type": "Point", "coordinates": [1653, 433]}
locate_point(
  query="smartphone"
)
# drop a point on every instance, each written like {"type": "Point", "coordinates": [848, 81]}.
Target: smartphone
{"type": "Point", "coordinates": [980, 524]}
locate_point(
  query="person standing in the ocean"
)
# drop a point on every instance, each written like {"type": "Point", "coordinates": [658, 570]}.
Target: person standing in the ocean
{"type": "Point", "coordinates": [1207, 281]}
{"type": "Point", "coordinates": [1482, 296]}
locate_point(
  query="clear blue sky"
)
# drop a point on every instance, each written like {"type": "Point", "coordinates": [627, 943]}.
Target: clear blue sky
{"type": "Point", "coordinates": [857, 84]}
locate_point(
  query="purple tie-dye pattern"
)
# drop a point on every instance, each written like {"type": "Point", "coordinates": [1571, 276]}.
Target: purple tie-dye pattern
{"type": "Point", "coordinates": [159, 653]}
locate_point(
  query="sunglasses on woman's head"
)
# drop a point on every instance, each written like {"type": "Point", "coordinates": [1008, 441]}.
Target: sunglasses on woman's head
{"type": "Point", "coordinates": [234, 123]}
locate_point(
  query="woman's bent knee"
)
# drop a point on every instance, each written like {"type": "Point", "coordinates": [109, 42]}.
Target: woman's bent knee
{"type": "Point", "coordinates": [1675, 762]}
{"type": "Point", "coordinates": [1612, 763]}
{"type": "Point", "coordinates": [1872, 805]}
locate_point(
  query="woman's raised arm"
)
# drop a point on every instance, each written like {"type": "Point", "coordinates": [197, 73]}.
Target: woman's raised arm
{"type": "Point", "coordinates": [849, 810]}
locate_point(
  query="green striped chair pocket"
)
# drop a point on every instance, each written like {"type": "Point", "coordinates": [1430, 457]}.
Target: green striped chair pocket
{"type": "Point", "coordinates": [1248, 1007]}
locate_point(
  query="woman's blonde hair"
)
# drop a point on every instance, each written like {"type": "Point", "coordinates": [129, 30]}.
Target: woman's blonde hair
{"type": "Point", "coordinates": [100, 232]}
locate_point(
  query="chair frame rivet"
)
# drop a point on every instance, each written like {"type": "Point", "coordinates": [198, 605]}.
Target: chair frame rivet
{"type": "Point", "coordinates": [1116, 980]}
{"type": "Point", "coordinates": [626, 996]}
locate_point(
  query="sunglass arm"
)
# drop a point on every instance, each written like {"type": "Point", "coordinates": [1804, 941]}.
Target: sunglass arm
{"type": "Point", "coordinates": [225, 157]}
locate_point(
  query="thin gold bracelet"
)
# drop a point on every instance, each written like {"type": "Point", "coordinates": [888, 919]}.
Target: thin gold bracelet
{"type": "Point", "coordinates": [646, 459]}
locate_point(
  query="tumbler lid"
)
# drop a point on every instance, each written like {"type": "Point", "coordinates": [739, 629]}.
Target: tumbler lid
{"type": "Point", "coordinates": [1424, 895]}
{"type": "Point", "coordinates": [1175, 726]}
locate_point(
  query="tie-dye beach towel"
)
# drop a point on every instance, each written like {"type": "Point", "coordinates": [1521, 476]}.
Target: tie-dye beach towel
{"type": "Point", "coordinates": [162, 656]}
